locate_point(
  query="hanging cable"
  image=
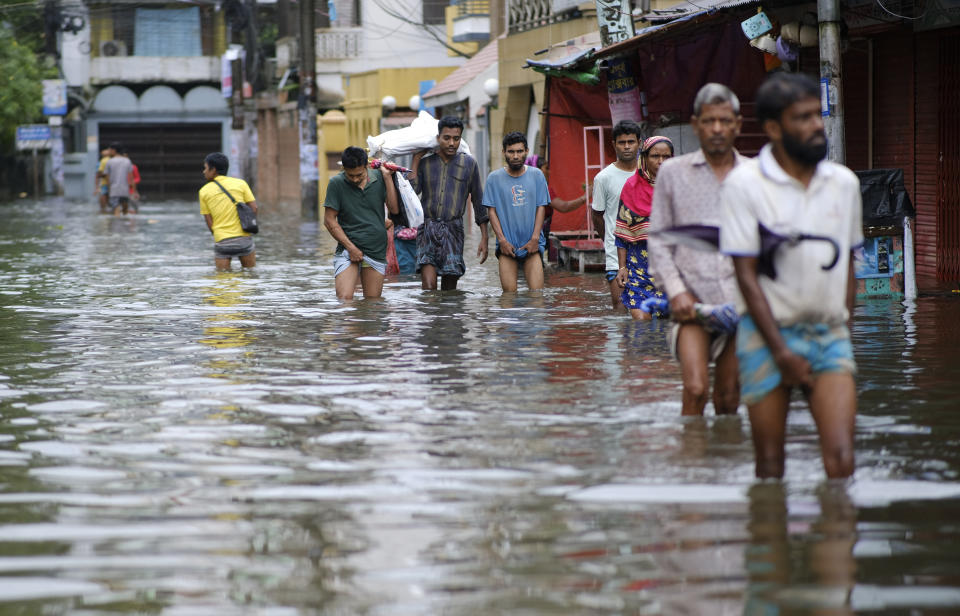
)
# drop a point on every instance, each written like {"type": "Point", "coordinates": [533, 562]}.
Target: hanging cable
{"type": "Point", "coordinates": [921, 16]}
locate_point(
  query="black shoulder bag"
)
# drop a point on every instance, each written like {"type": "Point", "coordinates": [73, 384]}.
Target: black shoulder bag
{"type": "Point", "coordinates": [248, 219]}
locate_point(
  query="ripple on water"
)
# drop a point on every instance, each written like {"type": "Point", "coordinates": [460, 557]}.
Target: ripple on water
{"type": "Point", "coordinates": [245, 470]}
{"type": "Point", "coordinates": [661, 493]}
{"type": "Point", "coordinates": [346, 494]}
{"type": "Point", "coordinates": [303, 410]}
{"type": "Point", "coordinates": [878, 493]}
{"type": "Point", "coordinates": [72, 475]}
{"type": "Point", "coordinates": [204, 443]}
{"type": "Point", "coordinates": [22, 588]}
{"type": "Point", "coordinates": [65, 406]}
{"type": "Point", "coordinates": [55, 449]}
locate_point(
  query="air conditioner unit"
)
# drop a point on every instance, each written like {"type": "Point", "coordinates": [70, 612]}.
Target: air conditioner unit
{"type": "Point", "coordinates": [110, 49]}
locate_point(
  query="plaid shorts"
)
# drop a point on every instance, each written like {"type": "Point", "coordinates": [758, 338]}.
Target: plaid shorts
{"type": "Point", "coordinates": [826, 347]}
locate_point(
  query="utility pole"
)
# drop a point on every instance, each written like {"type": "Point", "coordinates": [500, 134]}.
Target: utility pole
{"type": "Point", "coordinates": [831, 86]}
{"type": "Point", "coordinates": [238, 148]}
{"type": "Point", "coordinates": [307, 107]}
{"type": "Point", "coordinates": [54, 91]}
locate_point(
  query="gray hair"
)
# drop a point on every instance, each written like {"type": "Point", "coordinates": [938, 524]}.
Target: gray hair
{"type": "Point", "coordinates": [715, 94]}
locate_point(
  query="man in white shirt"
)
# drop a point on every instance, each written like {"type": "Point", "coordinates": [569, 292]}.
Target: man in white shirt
{"type": "Point", "coordinates": [794, 329]}
{"type": "Point", "coordinates": [606, 198]}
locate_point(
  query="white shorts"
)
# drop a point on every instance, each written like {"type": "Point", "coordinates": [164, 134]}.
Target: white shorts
{"type": "Point", "coordinates": [342, 261]}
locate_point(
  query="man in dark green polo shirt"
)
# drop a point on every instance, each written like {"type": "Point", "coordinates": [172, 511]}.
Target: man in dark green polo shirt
{"type": "Point", "coordinates": [354, 216]}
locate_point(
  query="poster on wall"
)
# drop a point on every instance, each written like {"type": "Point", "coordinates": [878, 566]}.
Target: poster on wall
{"type": "Point", "coordinates": [54, 97]}
{"type": "Point", "coordinates": [873, 260]}
{"type": "Point", "coordinates": [623, 93]}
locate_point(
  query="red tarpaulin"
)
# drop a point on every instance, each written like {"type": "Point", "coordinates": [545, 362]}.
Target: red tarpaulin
{"type": "Point", "coordinates": [674, 69]}
{"type": "Point", "coordinates": [670, 72]}
{"type": "Point", "coordinates": [571, 107]}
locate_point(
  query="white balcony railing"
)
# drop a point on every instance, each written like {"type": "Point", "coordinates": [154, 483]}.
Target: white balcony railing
{"type": "Point", "coordinates": [529, 14]}
{"type": "Point", "coordinates": [338, 43]}
{"type": "Point", "coordinates": [471, 28]}
{"type": "Point", "coordinates": [140, 69]}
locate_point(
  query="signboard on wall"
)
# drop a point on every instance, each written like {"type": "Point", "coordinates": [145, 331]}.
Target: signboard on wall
{"type": "Point", "coordinates": [614, 20]}
{"type": "Point", "coordinates": [54, 97]}
{"type": "Point", "coordinates": [33, 137]}
{"type": "Point", "coordinates": [623, 93]}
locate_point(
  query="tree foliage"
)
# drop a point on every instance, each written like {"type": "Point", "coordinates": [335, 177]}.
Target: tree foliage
{"type": "Point", "coordinates": [26, 21]}
{"type": "Point", "coordinates": [21, 67]}
{"type": "Point", "coordinates": [21, 90]}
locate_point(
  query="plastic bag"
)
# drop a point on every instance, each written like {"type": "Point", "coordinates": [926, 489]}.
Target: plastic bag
{"type": "Point", "coordinates": [420, 135]}
{"type": "Point", "coordinates": [411, 202]}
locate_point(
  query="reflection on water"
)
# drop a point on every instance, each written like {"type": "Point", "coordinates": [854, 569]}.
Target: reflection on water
{"type": "Point", "coordinates": [799, 565]}
{"type": "Point", "coordinates": [177, 440]}
{"type": "Point", "coordinates": [230, 329]}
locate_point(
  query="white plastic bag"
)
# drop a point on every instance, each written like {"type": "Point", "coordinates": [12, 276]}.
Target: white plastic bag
{"type": "Point", "coordinates": [420, 135]}
{"type": "Point", "coordinates": [411, 202]}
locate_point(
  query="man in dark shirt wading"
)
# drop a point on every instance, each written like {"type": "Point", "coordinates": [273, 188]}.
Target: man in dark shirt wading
{"type": "Point", "coordinates": [354, 216]}
{"type": "Point", "coordinates": [444, 181]}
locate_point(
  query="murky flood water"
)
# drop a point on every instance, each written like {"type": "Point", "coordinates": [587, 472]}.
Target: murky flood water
{"type": "Point", "coordinates": [178, 441]}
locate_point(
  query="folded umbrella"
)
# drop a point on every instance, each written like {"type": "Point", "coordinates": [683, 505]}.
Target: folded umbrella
{"type": "Point", "coordinates": [706, 237]}
{"type": "Point", "coordinates": [719, 318]}
{"type": "Point", "coordinates": [376, 163]}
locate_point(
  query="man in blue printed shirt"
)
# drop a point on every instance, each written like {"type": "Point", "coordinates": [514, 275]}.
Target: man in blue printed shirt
{"type": "Point", "coordinates": [516, 197]}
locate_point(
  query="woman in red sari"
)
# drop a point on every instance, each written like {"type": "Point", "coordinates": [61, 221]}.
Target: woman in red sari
{"type": "Point", "coordinates": [633, 221]}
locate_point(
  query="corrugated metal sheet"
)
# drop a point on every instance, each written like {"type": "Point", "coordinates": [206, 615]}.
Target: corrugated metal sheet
{"type": "Point", "coordinates": [926, 158]}
{"type": "Point", "coordinates": [856, 100]}
{"type": "Point", "coordinates": [948, 171]}
{"type": "Point", "coordinates": [682, 16]}
{"type": "Point", "coordinates": [169, 156]}
{"type": "Point", "coordinates": [893, 126]}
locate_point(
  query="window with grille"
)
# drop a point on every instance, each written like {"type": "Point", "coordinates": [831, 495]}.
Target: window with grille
{"type": "Point", "coordinates": [167, 32]}
{"type": "Point", "coordinates": [433, 11]}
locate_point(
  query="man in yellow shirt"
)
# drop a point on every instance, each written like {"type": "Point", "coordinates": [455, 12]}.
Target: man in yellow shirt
{"type": "Point", "coordinates": [103, 185]}
{"type": "Point", "coordinates": [220, 212]}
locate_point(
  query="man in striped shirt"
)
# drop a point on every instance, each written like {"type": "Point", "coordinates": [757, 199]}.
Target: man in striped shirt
{"type": "Point", "coordinates": [444, 181]}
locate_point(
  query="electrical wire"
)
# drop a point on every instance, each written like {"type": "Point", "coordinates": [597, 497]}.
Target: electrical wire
{"type": "Point", "coordinates": [424, 27]}
{"type": "Point", "coordinates": [7, 7]}
{"type": "Point", "coordinates": [921, 16]}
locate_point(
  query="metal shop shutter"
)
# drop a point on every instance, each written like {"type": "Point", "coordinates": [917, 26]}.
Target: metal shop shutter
{"type": "Point", "coordinates": [169, 156]}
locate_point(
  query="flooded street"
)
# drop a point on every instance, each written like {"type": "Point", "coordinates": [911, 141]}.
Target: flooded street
{"type": "Point", "coordinates": [179, 441]}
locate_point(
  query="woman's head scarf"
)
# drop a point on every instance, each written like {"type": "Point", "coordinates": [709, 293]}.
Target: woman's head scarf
{"type": "Point", "coordinates": [637, 193]}
{"type": "Point", "coordinates": [647, 145]}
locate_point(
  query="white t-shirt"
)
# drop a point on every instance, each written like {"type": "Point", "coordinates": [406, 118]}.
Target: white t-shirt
{"type": "Point", "coordinates": [606, 198]}
{"type": "Point", "coordinates": [760, 191]}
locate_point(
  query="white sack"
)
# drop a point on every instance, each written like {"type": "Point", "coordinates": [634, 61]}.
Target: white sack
{"type": "Point", "coordinates": [410, 200]}
{"type": "Point", "coordinates": [420, 135]}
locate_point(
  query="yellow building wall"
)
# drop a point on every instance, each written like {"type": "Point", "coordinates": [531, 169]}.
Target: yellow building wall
{"type": "Point", "coordinates": [516, 82]}
{"type": "Point", "coordinates": [219, 34]}
{"type": "Point", "coordinates": [365, 91]}
{"type": "Point", "coordinates": [101, 29]}
{"type": "Point", "coordinates": [331, 138]}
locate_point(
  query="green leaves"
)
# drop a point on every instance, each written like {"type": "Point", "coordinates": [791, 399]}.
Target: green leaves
{"type": "Point", "coordinates": [20, 89]}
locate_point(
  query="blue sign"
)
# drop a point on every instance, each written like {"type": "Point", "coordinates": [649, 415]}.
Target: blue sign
{"type": "Point", "coordinates": [825, 104]}
{"type": "Point", "coordinates": [425, 86]}
{"type": "Point", "coordinates": [33, 137]}
{"type": "Point", "coordinates": [54, 97]}
{"type": "Point", "coordinates": [33, 132]}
